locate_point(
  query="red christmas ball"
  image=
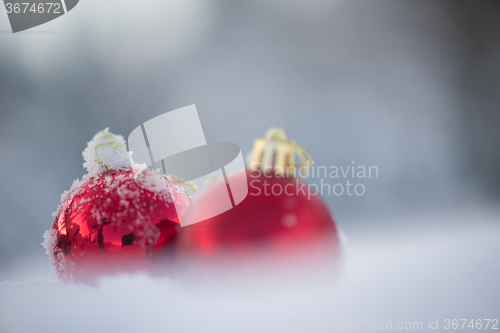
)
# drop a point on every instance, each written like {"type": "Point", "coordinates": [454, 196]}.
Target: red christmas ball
{"type": "Point", "coordinates": [116, 218]}
{"type": "Point", "coordinates": [110, 224]}
{"type": "Point", "coordinates": [280, 226]}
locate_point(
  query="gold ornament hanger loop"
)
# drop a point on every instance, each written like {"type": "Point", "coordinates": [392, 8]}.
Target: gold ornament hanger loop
{"type": "Point", "coordinates": [114, 144]}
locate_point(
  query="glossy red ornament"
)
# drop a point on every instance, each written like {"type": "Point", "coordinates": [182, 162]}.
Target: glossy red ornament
{"type": "Point", "coordinates": [112, 223]}
{"type": "Point", "coordinates": [279, 227]}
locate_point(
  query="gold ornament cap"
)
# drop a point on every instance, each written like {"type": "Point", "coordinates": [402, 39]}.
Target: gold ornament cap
{"type": "Point", "coordinates": [276, 154]}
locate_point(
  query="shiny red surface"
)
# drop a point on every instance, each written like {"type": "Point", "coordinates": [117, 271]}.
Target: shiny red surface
{"type": "Point", "coordinates": [111, 225]}
{"type": "Point", "coordinates": [265, 230]}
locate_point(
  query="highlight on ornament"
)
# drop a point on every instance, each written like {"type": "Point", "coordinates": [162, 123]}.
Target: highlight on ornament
{"type": "Point", "coordinates": [125, 218]}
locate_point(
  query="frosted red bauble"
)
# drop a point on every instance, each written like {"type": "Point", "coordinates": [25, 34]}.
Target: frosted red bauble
{"type": "Point", "coordinates": [278, 226]}
{"type": "Point", "coordinates": [113, 223]}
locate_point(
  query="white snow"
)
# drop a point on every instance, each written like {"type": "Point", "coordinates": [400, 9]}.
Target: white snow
{"type": "Point", "coordinates": [445, 265]}
{"type": "Point", "coordinates": [106, 151]}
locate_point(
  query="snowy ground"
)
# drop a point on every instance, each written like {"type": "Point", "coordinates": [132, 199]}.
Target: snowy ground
{"type": "Point", "coordinates": [444, 267]}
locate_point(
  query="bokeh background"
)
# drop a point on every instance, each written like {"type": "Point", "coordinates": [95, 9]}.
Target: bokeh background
{"type": "Point", "coordinates": [412, 87]}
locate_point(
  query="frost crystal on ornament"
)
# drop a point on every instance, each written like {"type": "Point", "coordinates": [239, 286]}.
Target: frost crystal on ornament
{"type": "Point", "coordinates": [116, 218]}
{"type": "Point", "coordinates": [106, 151]}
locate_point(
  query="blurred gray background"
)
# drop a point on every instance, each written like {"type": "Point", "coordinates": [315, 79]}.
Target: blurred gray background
{"type": "Point", "coordinates": [412, 87]}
